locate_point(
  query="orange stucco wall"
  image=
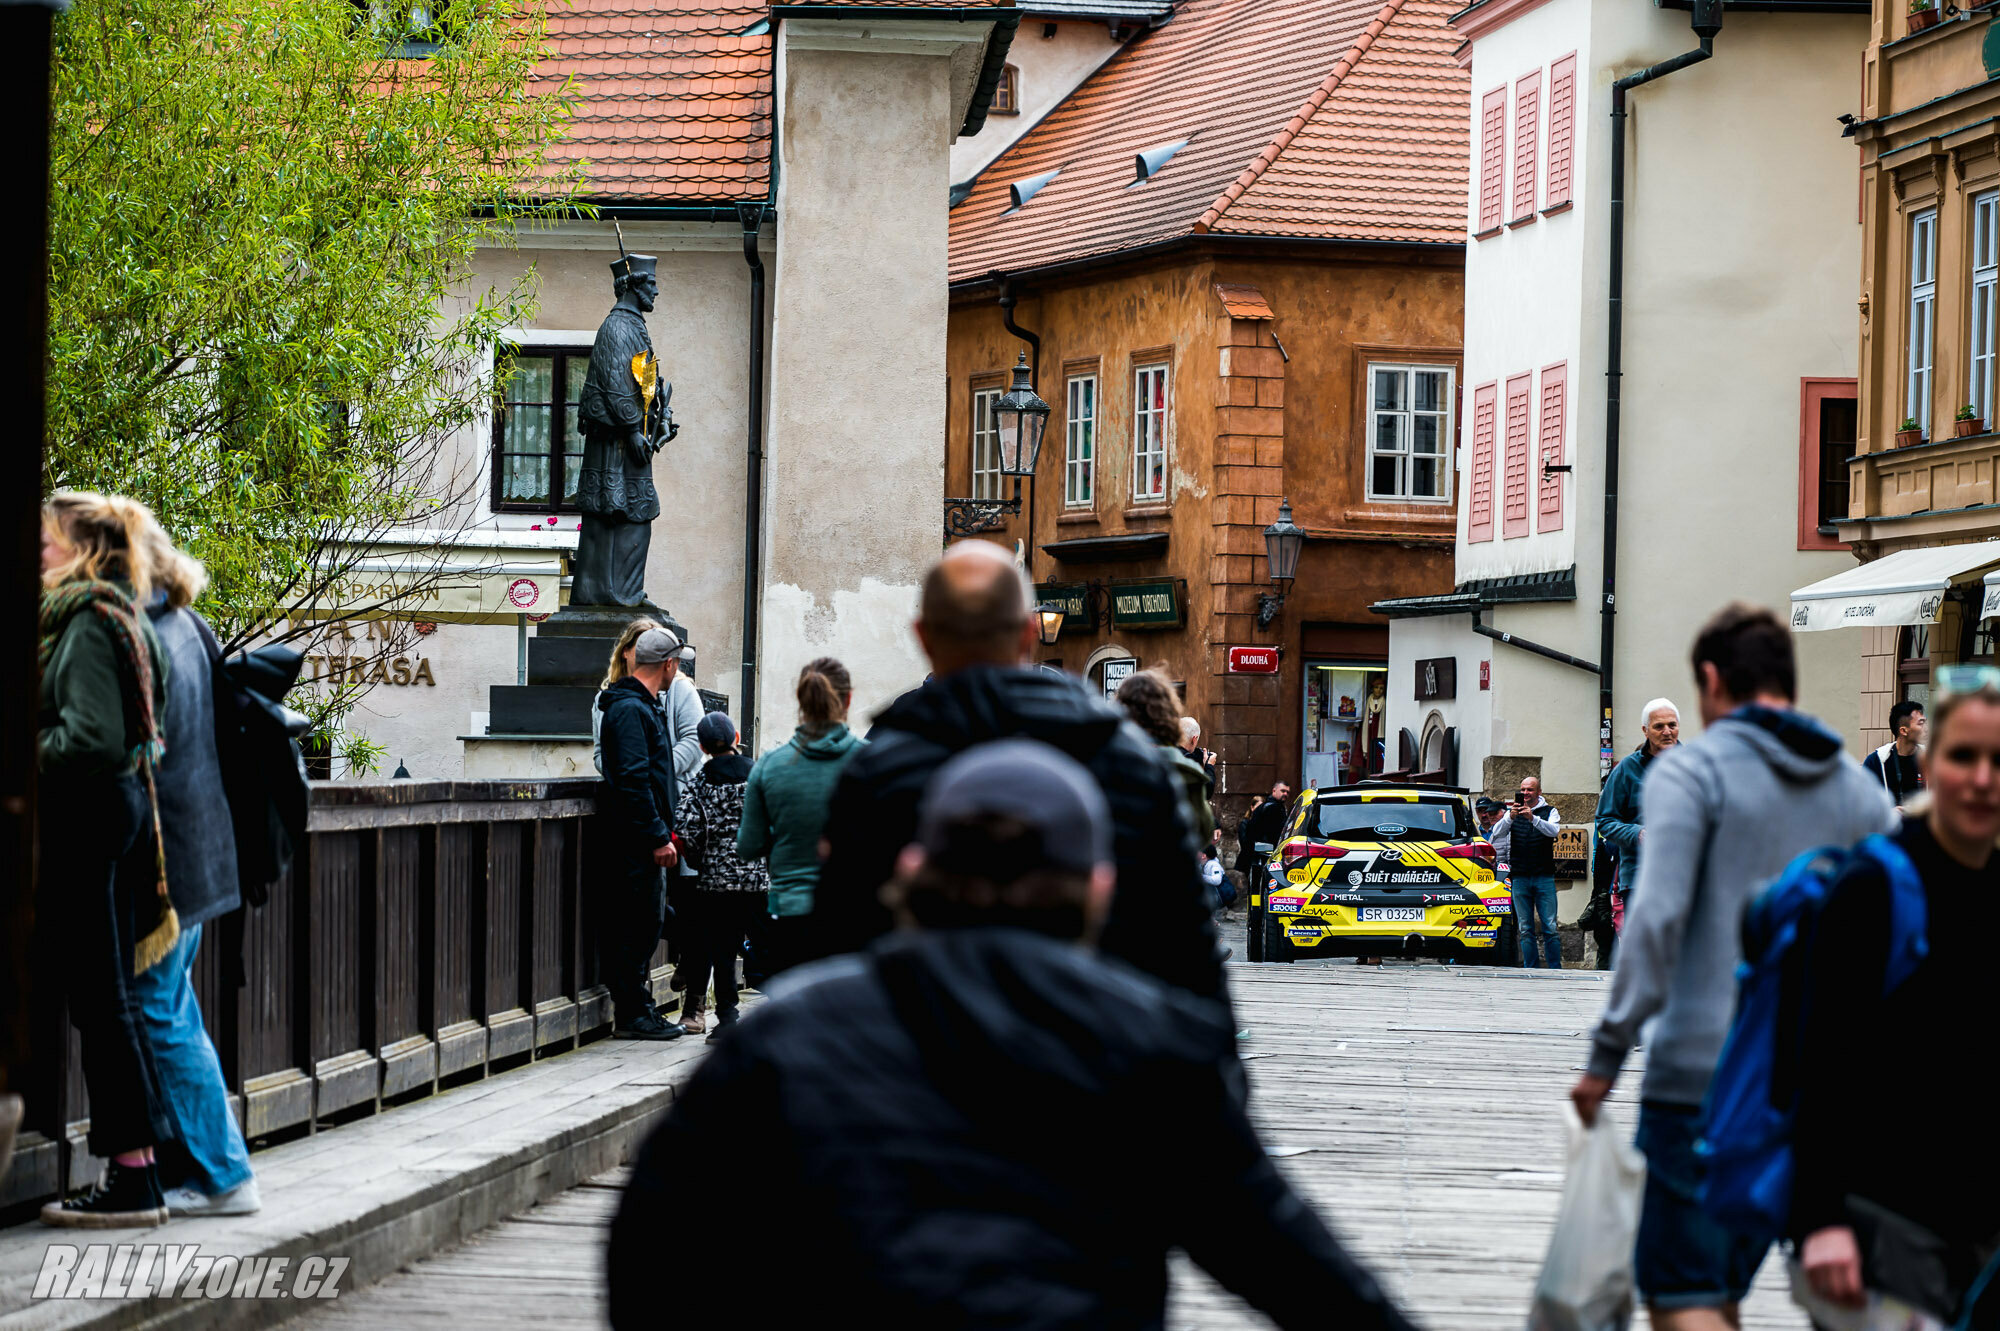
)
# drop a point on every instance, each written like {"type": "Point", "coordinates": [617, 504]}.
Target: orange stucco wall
{"type": "Point", "coordinates": [1250, 425]}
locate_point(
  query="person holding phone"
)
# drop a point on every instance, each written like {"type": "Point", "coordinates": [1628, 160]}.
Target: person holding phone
{"type": "Point", "coordinates": [1532, 827]}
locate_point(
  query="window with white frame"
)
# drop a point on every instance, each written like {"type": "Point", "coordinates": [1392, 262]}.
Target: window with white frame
{"type": "Point", "coordinates": [1985, 287]}
{"type": "Point", "coordinates": [1923, 316]}
{"type": "Point", "coordinates": [1149, 432]}
{"type": "Point", "coordinates": [985, 445]}
{"type": "Point", "coordinates": [1409, 433]}
{"type": "Point", "coordinates": [1080, 442]}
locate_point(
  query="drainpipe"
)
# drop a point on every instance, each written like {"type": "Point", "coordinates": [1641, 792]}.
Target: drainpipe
{"type": "Point", "coordinates": [1706, 19]}
{"type": "Point", "coordinates": [1034, 342]}
{"type": "Point", "coordinates": [751, 215]}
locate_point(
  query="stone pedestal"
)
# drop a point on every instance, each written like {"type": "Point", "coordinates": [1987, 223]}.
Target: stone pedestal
{"type": "Point", "coordinates": [542, 728]}
{"type": "Point", "coordinates": [567, 658]}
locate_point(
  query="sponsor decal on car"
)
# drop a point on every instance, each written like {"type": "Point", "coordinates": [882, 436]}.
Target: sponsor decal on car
{"type": "Point", "coordinates": [1286, 905]}
{"type": "Point", "coordinates": [1502, 904]}
{"type": "Point", "coordinates": [1485, 935]}
{"type": "Point", "coordinates": [1304, 930]}
{"type": "Point", "coordinates": [1396, 878]}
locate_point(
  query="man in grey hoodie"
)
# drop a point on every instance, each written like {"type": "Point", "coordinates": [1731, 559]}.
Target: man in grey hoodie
{"type": "Point", "coordinates": [1723, 817]}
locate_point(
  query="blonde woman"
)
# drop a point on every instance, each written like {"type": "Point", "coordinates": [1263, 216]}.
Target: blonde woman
{"type": "Point", "coordinates": [102, 702]}
{"type": "Point", "coordinates": [208, 1170]}
{"type": "Point", "coordinates": [680, 704]}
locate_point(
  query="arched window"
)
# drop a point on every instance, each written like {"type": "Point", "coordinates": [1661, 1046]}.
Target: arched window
{"type": "Point", "coordinates": [1007, 94]}
{"type": "Point", "coordinates": [1432, 750]}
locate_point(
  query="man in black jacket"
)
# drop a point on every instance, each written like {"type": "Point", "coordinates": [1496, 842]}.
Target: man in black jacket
{"type": "Point", "coordinates": [976, 628]}
{"type": "Point", "coordinates": [639, 805]}
{"type": "Point", "coordinates": [979, 1123]}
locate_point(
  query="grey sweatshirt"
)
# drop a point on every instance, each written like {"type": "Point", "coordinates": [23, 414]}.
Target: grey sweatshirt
{"type": "Point", "coordinates": [1723, 814]}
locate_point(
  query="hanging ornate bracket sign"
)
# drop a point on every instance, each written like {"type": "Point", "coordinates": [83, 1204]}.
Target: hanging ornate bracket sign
{"type": "Point", "coordinates": [971, 517]}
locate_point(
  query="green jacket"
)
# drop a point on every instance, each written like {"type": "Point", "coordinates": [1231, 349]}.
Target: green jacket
{"type": "Point", "coordinates": [784, 812]}
{"type": "Point", "coordinates": [1194, 782]}
{"type": "Point", "coordinates": [89, 728]}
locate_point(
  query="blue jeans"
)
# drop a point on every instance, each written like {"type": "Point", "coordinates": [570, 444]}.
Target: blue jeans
{"type": "Point", "coordinates": [1533, 894]}
{"type": "Point", "coordinates": [190, 1074]}
{"type": "Point", "coordinates": [1684, 1259]}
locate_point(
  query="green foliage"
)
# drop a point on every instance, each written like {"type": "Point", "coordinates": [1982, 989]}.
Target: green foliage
{"type": "Point", "coordinates": [261, 227]}
{"type": "Point", "coordinates": [1968, 412]}
{"type": "Point", "coordinates": [1909, 423]}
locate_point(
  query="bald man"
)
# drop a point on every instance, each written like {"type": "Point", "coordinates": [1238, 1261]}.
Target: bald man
{"type": "Point", "coordinates": [976, 626]}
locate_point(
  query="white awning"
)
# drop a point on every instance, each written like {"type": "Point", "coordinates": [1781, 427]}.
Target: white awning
{"type": "Point", "coordinates": [1907, 587]}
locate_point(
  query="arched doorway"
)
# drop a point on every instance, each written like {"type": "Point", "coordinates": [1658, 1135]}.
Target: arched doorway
{"type": "Point", "coordinates": [1108, 666]}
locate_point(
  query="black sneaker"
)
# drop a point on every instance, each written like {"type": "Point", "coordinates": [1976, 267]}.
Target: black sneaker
{"type": "Point", "coordinates": [647, 1026]}
{"type": "Point", "coordinates": [723, 1021]}
{"type": "Point", "coordinates": [125, 1198]}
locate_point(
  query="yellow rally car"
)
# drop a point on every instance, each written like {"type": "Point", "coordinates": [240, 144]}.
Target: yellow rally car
{"type": "Point", "coordinates": [1382, 869]}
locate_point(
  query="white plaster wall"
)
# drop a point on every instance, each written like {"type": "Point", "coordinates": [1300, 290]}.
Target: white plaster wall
{"type": "Point", "coordinates": [1740, 253]}
{"type": "Point", "coordinates": [700, 330]}
{"type": "Point", "coordinates": [1741, 250]}
{"type": "Point", "coordinates": [855, 477]}
{"type": "Point", "coordinates": [1414, 640]}
{"type": "Point", "coordinates": [1525, 296]}
{"type": "Point", "coordinates": [1050, 69]}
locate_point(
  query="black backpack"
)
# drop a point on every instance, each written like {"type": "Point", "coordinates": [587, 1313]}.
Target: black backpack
{"type": "Point", "coordinates": [263, 771]}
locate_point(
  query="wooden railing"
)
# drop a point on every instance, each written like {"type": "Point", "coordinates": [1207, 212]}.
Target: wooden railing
{"type": "Point", "coordinates": [432, 932]}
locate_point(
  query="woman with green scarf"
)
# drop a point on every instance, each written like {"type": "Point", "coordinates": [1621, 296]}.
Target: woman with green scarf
{"type": "Point", "coordinates": [103, 908]}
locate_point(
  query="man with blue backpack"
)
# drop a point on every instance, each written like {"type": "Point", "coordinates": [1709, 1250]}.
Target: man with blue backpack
{"type": "Point", "coordinates": [1724, 815]}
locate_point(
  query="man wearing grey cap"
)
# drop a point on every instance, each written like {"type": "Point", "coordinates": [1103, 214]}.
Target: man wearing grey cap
{"type": "Point", "coordinates": [980, 1121]}
{"type": "Point", "coordinates": [639, 805]}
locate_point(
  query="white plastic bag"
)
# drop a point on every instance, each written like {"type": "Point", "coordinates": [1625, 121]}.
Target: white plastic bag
{"type": "Point", "coordinates": [1586, 1281]}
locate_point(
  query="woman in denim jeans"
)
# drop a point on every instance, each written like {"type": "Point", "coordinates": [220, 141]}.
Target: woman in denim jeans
{"type": "Point", "coordinates": [207, 1170]}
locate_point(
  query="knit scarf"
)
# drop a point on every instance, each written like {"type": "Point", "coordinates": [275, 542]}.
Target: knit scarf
{"type": "Point", "coordinates": [118, 611]}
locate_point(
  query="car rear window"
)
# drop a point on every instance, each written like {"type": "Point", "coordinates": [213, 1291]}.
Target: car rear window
{"type": "Point", "coordinates": [1386, 820]}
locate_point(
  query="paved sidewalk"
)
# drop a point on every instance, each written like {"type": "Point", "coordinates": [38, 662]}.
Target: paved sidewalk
{"type": "Point", "coordinates": [392, 1189]}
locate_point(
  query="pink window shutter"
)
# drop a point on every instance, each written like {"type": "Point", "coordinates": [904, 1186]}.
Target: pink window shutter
{"type": "Point", "coordinates": [1514, 488]}
{"type": "Point", "coordinates": [1492, 158]}
{"type": "Point", "coordinates": [1527, 143]}
{"type": "Point", "coordinates": [1554, 413]}
{"type": "Point", "coordinates": [1479, 514]}
{"type": "Point", "coordinates": [1562, 129]}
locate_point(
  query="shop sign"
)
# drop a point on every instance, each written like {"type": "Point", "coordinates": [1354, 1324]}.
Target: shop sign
{"type": "Point", "coordinates": [1572, 852]}
{"type": "Point", "coordinates": [1437, 679]}
{"type": "Point", "coordinates": [1253, 660]}
{"type": "Point", "coordinates": [1154, 604]}
{"type": "Point", "coordinates": [1117, 672]}
{"type": "Point", "coordinates": [1991, 606]}
{"type": "Point", "coordinates": [1072, 597]}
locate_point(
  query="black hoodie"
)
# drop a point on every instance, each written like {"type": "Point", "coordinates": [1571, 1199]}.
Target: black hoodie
{"type": "Point", "coordinates": [975, 1128]}
{"type": "Point", "coordinates": [1159, 920]}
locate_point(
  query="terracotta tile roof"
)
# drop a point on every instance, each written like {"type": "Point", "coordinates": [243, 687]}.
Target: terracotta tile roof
{"type": "Point", "coordinates": [1250, 81]}
{"type": "Point", "coordinates": [1243, 301]}
{"type": "Point", "coordinates": [672, 104]}
{"type": "Point", "coordinates": [908, 4]}
{"type": "Point", "coordinates": [1386, 154]}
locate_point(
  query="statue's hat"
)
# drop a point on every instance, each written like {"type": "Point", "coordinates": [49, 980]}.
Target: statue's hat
{"type": "Point", "coordinates": [633, 265]}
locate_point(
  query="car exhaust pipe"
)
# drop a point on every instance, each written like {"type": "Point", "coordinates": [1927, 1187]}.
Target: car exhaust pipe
{"type": "Point", "coordinates": [1413, 945]}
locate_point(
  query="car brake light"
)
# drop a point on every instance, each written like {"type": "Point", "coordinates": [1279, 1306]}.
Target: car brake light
{"type": "Point", "coordinates": [1471, 850]}
{"type": "Point", "coordinates": [1294, 856]}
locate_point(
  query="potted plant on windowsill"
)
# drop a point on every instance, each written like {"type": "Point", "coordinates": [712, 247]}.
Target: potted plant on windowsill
{"type": "Point", "coordinates": [1968, 422]}
{"type": "Point", "coordinates": [1909, 432]}
{"type": "Point", "coordinates": [1922, 14]}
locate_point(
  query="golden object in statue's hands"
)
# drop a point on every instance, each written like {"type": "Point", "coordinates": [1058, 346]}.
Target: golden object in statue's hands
{"type": "Point", "coordinates": [646, 373]}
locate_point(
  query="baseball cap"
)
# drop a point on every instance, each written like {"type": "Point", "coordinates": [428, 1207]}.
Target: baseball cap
{"type": "Point", "coordinates": [1045, 790]}
{"type": "Point", "coordinates": [655, 646]}
{"type": "Point", "coordinates": [1486, 805]}
{"type": "Point", "coordinates": [716, 731]}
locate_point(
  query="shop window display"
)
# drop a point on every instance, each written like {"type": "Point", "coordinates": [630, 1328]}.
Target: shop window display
{"type": "Point", "coordinates": [1344, 719]}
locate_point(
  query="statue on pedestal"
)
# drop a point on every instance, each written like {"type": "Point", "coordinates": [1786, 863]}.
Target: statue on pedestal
{"type": "Point", "coordinates": [625, 418]}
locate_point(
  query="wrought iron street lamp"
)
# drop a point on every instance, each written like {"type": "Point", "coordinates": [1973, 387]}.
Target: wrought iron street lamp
{"type": "Point", "coordinates": [1049, 617]}
{"type": "Point", "coordinates": [1283, 540]}
{"type": "Point", "coordinates": [1020, 416]}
